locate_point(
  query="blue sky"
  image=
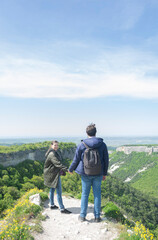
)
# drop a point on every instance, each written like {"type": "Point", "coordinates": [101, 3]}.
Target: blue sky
{"type": "Point", "coordinates": [65, 64]}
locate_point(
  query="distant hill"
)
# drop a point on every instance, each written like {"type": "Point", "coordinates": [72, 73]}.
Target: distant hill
{"type": "Point", "coordinates": [139, 169]}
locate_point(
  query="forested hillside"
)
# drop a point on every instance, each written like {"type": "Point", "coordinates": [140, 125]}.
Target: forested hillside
{"type": "Point", "coordinates": [138, 169]}
{"type": "Point", "coordinates": [16, 180]}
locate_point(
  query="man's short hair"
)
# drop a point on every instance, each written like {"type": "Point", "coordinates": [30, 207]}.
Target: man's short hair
{"type": "Point", "coordinates": [91, 130]}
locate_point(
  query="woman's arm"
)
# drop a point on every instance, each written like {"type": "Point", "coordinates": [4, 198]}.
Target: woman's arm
{"type": "Point", "coordinates": [56, 162]}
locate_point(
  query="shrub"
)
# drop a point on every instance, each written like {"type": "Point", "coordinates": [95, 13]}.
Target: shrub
{"type": "Point", "coordinates": [44, 196]}
{"type": "Point", "coordinates": [27, 186]}
{"type": "Point", "coordinates": [139, 232]}
{"type": "Point", "coordinates": [13, 191]}
{"type": "Point", "coordinates": [16, 231]}
{"type": "Point", "coordinates": [37, 181]}
{"type": "Point", "coordinates": [7, 201]}
{"type": "Point", "coordinates": [111, 210]}
{"type": "Point", "coordinates": [33, 210]}
{"type": "Point", "coordinates": [6, 180]}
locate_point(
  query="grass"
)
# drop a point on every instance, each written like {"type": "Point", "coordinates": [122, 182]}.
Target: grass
{"type": "Point", "coordinates": [148, 182]}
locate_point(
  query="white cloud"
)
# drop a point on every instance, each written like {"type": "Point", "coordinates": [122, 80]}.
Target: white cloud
{"type": "Point", "coordinates": [123, 73]}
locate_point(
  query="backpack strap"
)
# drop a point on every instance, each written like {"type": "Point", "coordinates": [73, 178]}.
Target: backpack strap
{"type": "Point", "coordinates": [85, 145]}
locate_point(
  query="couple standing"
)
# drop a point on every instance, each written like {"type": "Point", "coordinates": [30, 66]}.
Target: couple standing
{"type": "Point", "coordinates": [53, 168]}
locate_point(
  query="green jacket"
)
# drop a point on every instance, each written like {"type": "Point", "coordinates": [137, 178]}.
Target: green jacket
{"type": "Point", "coordinates": [52, 167]}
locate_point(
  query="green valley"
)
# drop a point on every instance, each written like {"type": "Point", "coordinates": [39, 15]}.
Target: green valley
{"type": "Point", "coordinates": [139, 169]}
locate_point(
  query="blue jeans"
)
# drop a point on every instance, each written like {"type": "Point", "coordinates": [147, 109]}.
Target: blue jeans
{"type": "Point", "coordinates": [59, 195]}
{"type": "Point", "coordinates": [87, 182]}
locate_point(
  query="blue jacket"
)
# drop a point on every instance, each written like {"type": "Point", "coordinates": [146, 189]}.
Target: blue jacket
{"type": "Point", "coordinates": [92, 142]}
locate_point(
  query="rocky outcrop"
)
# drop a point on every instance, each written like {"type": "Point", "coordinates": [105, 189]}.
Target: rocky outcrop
{"type": "Point", "coordinates": [8, 159]}
{"type": "Point", "coordinates": [36, 199]}
{"type": "Point", "coordinates": [114, 167]}
{"type": "Point", "coordinates": [129, 149]}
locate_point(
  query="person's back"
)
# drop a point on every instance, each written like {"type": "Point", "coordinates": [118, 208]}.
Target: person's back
{"type": "Point", "coordinates": [92, 142]}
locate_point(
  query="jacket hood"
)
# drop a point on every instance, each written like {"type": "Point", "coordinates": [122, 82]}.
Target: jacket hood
{"type": "Point", "coordinates": [93, 142]}
{"type": "Point", "coordinates": [47, 153]}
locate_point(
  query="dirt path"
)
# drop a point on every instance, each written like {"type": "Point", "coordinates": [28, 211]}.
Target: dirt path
{"type": "Point", "coordinates": [66, 226]}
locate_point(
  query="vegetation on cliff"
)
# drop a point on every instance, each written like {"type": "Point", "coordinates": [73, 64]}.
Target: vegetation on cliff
{"type": "Point", "coordinates": [15, 224]}
{"type": "Point", "coordinates": [141, 168]}
{"type": "Point", "coordinates": [34, 146]}
{"type": "Point", "coordinates": [16, 180]}
{"type": "Point", "coordinates": [138, 232]}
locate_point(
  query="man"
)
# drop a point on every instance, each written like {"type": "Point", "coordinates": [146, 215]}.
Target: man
{"type": "Point", "coordinates": [92, 142]}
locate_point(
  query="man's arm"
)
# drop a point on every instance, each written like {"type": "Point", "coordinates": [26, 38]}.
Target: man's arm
{"type": "Point", "coordinates": [106, 160]}
{"type": "Point", "coordinates": [76, 159]}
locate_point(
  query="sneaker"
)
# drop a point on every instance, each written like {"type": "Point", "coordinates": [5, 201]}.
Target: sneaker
{"type": "Point", "coordinates": [53, 207]}
{"type": "Point", "coordinates": [81, 219]}
{"type": "Point", "coordinates": [65, 211]}
{"type": "Point", "coordinates": [98, 219]}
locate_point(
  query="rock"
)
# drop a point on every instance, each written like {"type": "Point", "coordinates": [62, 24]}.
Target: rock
{"type": "Point", "coordinates": [104, 223]}
{"type": "Point", "coordinates": [36, 199]}
{"type": "Point", "coordinates": [104, 230]}
{"type": "Point", "coordinates": [129, 231]}
{"type": "Point", "coordinates": [63, 236]}
{"type": "Point", "coordinates": [45, 215]}
{"type": "Point", "coordinates": [86, 223]}
{"type": "Point", "coordinates": [32, 224]}
{"type": "Point", "coordinates": [90, 216]}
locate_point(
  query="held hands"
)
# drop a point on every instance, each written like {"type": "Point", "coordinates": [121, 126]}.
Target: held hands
{"type": "Point", "coordinates": [104, 178]}
{"type": "Point", "coordinates": [70, 172]}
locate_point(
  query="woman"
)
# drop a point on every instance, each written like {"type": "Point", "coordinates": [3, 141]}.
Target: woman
{"type": "Point", "coordinates": [52, 170]}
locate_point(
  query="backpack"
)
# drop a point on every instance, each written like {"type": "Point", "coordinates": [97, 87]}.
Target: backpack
{"type": "Point", "coordinates": [91, 161]}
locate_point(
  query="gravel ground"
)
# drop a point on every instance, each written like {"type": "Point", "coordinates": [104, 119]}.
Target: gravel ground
{"type": "Point", "coordinates": [59, 226]}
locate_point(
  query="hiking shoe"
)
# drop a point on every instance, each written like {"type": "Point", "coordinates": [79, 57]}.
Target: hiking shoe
{"type": "Point", "coordinates": [98, 219]}
{"type": "Point", "coordinates": [81, 219]}
{"type": "Point", "coordinates": [65, 211]}
{"type": "Point", "coordinates": [53, 207]}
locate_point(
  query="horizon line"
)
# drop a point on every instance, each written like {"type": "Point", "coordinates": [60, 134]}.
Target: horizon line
{"type": "Point", "coordinates": [115, 136]}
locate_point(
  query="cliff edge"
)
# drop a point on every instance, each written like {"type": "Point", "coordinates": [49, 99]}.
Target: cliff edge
{"type": "Point", "coordinates": [13, 158]}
